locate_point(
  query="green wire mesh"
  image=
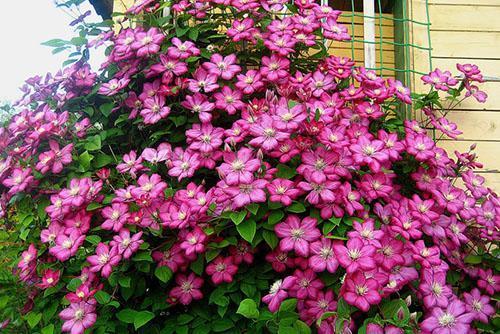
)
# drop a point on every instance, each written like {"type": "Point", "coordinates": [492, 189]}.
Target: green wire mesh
{"type": "Point", "coordinates": [401, 43]}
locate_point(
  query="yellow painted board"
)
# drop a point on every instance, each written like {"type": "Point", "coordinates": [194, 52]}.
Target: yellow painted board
{"type": "Point", "coordinates": [120, 6]}
{"type": "Point", "coordinates": [489, 67]}
{"type": "Point", "coordinates": [462, 44]}
{"type": "Point", "coordinates": [346, 17]}
{"type": "Point", "coordinates": [492, 181]}
{"type": "Point", "coordinates": [387, 56]}
{"type": "Point", "coordinates": [386, 33]}
{"type": "Point", "coordinates": [464, 18]}
{"type": "Point", "coordinates": [477, 125]}
{"type": "Point", "coordinates": [360, 45]}
{"type": "Point", "coordinates": [466, 2]}
{"type": "Point", "coordinates": [488, 152]}
{"type": "Point", "coordinates": [492, 103]}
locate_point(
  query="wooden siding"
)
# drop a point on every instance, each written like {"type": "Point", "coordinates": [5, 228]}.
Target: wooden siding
{"type": "Point", "coordinates": [464, 31]}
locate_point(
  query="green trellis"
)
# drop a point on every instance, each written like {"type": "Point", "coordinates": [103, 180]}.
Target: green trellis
{"type": "Point", "coordinates": [402, 43]}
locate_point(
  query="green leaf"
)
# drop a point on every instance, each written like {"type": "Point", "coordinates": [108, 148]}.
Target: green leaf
{"type": "Point", "coordinates": [343, 309]}
{"type": "Point", "coordinates": [55, 43]}
{"type": "Point", "coordinates": [84, 160]}
{"type": "Point", "coordinates": [473, 259]}
{"type": "Point", "coordinates": [222, 325]}
{"type": "Point", "coordinates": [124, 281]}
{"type": "Point", "coordinates": [93, 239]}
{"type": "Point", "coordinates": [296, 207]}
{"type": "Point", "coordinates": [247, 229]}
{"type": "Point", "coordinates": [184, 319]}
{"type": "Point", "coordinates": [288, 305]}
{"type": "Point", "coordinates": [74, 284]}
{"type": "Point", "coordinates": [397, 311]}
{"type": "Point", "coordinates": [270, 238]}
{"type": "Point", "coordinates": [106, 108]}
{"type": "Point", "coordinates": [301, 327]}
{"type": "Point", "coordinates": [253, 208]}
{"type": "Point", "coordinates": [127, 315]}
{"type": "Point", "coordinates": [237, 217]}
{"type": "Point", "coordinates": [142, 318]}
{"type": "Point", "coordinates": [102, 160]}
{"type": "Point", "coordinates": [93, 143]}
{"type": "Point", "coordinates": [285, 172]}
{"type": "Point", "coordinates": [275, 217]}
{"type": "Point", "coordinates": [33, 318]}
{"type": "Point", "coordinates": [102, 297]}
{"type": "Point", "coordinates": [163, 273]}
{"type": "Point", "coordinates": [143, 256]}
{"type": "Point", "coordinates": [49, 329]}
{"type": "Point", "coordinates": [248, 309]}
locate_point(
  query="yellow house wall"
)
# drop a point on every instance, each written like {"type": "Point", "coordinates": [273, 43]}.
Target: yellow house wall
{"type": "Point", "coordinates": [464, 31]}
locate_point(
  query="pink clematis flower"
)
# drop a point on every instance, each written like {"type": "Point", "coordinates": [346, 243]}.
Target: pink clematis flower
{"type": "Point", "coordinates": [116, 216]}
{"type": "Point", "coordinates": [296, 234]}
{"type": "Point", "coordinates": [49, 279]}
{"type": "Point", "coordinates": [323, 257]}
{"type": "Point", "coordinates": [360, 291]}
{"type": "Point", "coordinates": [278, 293]}
{"type": "Point", "coordinates": [478, 305]}
{"type": "Point", "coordinates": [194, 242]}
{"type": "Point", "coordinates": [451, 320]}
{"type": "Point", "coordinates": [104, 260]}
{"type": "Point", "coordinates": [223, 67]}
{"type": "Point", "coordinates": [67, 245]}
{"type": "Point", "coordinates": [355, 255]}
{"type": "Point", "coordinates": [127, 245]}
{"type": "Point", "coordinates": [78, 317]}
{"type": "Point", "coordinates": [282, 190]}
{"type": "Point", "coordinates": [239, 167]}
{"type": "Point", "coordinates": [18, 180]}
{"type": "Point", "coordinates": [222, 270]}
{"type": "Point", "coordinates": [188, 288]}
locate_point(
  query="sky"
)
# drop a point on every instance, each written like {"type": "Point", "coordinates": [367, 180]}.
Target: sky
{"type": "Point", "coordinates": [24, 24]}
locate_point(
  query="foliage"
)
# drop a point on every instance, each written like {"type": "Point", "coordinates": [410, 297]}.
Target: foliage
{"type": "Point", "coordinates": [223, 173]}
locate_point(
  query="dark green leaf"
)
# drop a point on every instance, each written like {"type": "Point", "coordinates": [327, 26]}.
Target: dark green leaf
{"type": "Point", "coordinates": [247, 229]}
{"type": "Point", "coordinates": [163, 273]}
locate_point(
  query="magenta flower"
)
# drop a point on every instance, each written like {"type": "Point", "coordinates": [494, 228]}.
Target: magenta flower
{"type": "Point", "coordinates": [355, 255]}
{"type": "Point", "coordinates": [148, 43]}
{"type": "Point", "coordinates": [266, 133]}
{"type": "Point", "coordinates": [113, 86]}
{"type": "Point", "coordinates": [478, 305]}
{"type": "Point", "coordinates": [78, 317]}
{"type": "Point", "coordinates": [49, 279]}
{"type": "Point", "coordinates": [434, 289]}
{"type": "Point", "coordinates": [224, 67]}
{"type": "Point", "coordinates": [306, 285]}
{"type": "Point", "coordinates": [222, 270]}
{"type": "Point", "coordinates": [452, 320]}
{"type": "Point", "coordinates": [488, 281]}
{"type": "Point", "coordinates": [250, 82]}
{"type": "Point", "coordinates": [116, 216]}
{"type": "Point", "coordinates": [182, 50]}
{"type": "Point", "coordinates": [154, 109]}
{"type": "Point", "coordinates": [194, 242]}
{"type": "Point", "coordinates": [239, 167]}
{"type": "Point", "coordinates": [278, 293]}
{"type": "Point", "coordinates": [440, 80]}
{"type": "Point", "coordinates": [318, 166]}
{"type": "Point", "coordinates": [18, 180]}
{"type": "Point", "coordinates": [104, 260]}
{"type": "Point", "coordinates": [127, 245]}
{"type": "Point", "coordinates": [360, 291]}
{"type": "Point", "coordinates": [184, 164]}
{"type": "Point", "coordinates": [282, 190]}
{"type": "Point", "coordinates": [246, 193]}
{"type": "Point", "coordinates": [66, 245]}
{"type": "Point", "coordinates": [296, 234]}
{"type": "Point", "coordinates": [188, 288]}
{"type": "Point", "coordinates": [274, 68]}
{"type": "Point", "coordinates": [229, 100]}
{"type": "Point", "coordinates": [204, 137]}
{"type": "Point", "coordinates": [203, 81]}
{"type": "Point", "coordinates": [199, 104]}
{"type": "Point", "coordinates": [369, 152]}
{"type": "Point", "coordinates": [323, 302]}
{"type": "Point", "coordinates": [131, 164]}
{"type": "Point", "coordinates": [324, 256]}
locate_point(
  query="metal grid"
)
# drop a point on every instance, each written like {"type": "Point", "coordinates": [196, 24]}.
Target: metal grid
{"type": "Point", "coordinates": [401, 42]}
